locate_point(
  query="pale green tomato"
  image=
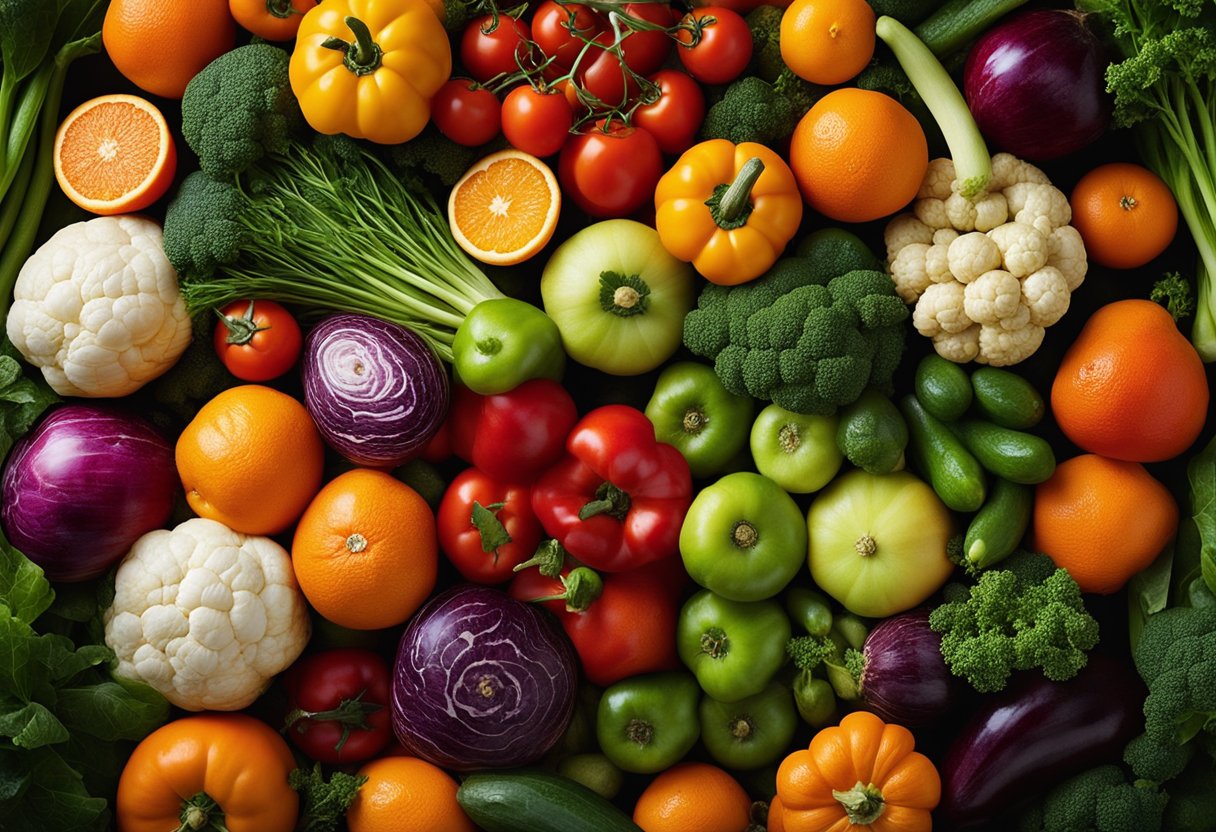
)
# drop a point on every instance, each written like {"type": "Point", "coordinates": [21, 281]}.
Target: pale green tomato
{"type": "Point", "coordinates": [794, 450]}
{"type": "Point", "coordinates": [618, 298]}
{"type": "Point", "coordinates": [878, 542]}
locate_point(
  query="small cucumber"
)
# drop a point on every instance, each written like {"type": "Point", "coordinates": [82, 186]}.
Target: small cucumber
{"type": "Point", "coordinates": [1006, 398]}
{"type": "Point", "coordinates": [959, 22]}
{"type": "Point", "coordinates": [871, 434]}
{"type": "Point", "coordinates": [998, 528]}
{"type": "Point", "coordinates": [954, 473]}
{"type": "Point", "coordinates": [942, 387]}
{"type": "Point", "coordinates": [530, 800]}
{"type": "Point", "coordinates": [1013, 454]}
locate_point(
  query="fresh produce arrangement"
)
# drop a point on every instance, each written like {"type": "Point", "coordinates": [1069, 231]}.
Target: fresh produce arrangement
{"type": "Point", "coordinates": [607, 415]}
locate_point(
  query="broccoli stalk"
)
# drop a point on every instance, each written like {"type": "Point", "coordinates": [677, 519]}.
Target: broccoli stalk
{"type": "Point", "coordinates": [972, 164]}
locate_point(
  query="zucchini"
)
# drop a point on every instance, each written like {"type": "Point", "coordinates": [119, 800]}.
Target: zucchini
{"type": "Point", "coordinates": [531, 800]}
{"type": "Point", "coordinates": [1012, 454]}
{"type": "Point", "coordinates": [998, 527]}
{"type": "Point", "coordinates": [954, 473]}
{"type": "Point", "coordinates": [942, 387]}
{"type": "Point", "coordinates": [959, 22]}
{"type": "Point", "coordinates": [1006, 398]}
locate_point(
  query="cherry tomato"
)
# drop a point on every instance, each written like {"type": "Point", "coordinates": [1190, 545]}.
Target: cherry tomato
{"type": "Point", "coordinates": [465, 113]}
{"type": "Point", "coordinates": [556, 33]}
{"type": "Point", "coordinates": [676, 117]}
{"type": "Point", "coordinates": [339, 705]}
{"type": "Point", "coordinates": [536, 122]}
{"type": "Point", "coordinates": [613, 173]}
{"type": "Point", "coordinates": [487, 527]}
{"type": "Point", "coordinates": [646, 49]}
{"type": "Point", "coordinates": [724, 49]}
{"type": "Point", "coordinates": [257, 340]}
{"type": "Point", "coordinates": [601, 74]}
{"type": "Point", "coordinates": [486, 54]}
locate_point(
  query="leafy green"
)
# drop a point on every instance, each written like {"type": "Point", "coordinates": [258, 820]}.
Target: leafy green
{"type": "Point", "coordinates": [1201, 473]}
{"type": "Point", "coordinates": [22, 400]}
{"type": "Point", "coordinates": [1149, 592]}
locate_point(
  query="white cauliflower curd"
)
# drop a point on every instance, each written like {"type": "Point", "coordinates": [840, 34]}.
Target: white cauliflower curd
{"type": "Point", "coordinates": [97, 308]}
{"type": "Point", "coordinates": [206, 615]}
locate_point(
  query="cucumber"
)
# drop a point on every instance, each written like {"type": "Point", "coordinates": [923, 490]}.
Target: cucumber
{"type": "Point", "coordinates": [954, 473]}
{"type": "Point", "coordinates": [1012, 454]}
{"type": "Point", "coordinates": [872, 435]}
{"type": "Point", "coordinates": [959, 22]}
{"type": "Point", "coordinates": [998, 528]}
{"type": "Point", "coordinates": [942, 387]}
{"type": "Point", "coordinates": [1006, 398]}
{"type": "Point", "coordinates": [531, 800]}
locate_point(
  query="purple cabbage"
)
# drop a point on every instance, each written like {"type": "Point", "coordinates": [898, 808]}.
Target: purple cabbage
{"type": "Point", "coordinates": [482, 680]}
{"type": "Point", "coordinates": [376, 391]}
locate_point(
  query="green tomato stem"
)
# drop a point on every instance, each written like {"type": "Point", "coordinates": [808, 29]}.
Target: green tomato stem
{"type": "Point", "coordinates": [714, 643]}
{"type": "Point", "coordinates": [240, 330]}
{"type": "Point", "coordinates": [201, 814]}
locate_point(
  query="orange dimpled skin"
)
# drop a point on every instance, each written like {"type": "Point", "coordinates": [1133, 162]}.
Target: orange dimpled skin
{"type": "Point", "coordinates": [1103, 520]}
{"type": "Point", "coordinates": [366, 551]}
{"type": "Point", "coordinates": [1125, 214]}
{"type": "Point", "coordinates": [1131, 386]}
{"type": "Point", "coordinates": [159, 45]}
{"type": "Point", "coordinates": [405, 794]}
{"type": "Point", "coordinates": [827, 41]}
{"type": "Point", "coordinates": [693, 796]}
{"type": "Point", "coordinates": [251, 458]}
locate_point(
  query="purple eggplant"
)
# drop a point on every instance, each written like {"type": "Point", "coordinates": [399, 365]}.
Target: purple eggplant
{"type": "Point", "coordinates": [904, 678]}
{"type": "Point", "coordinates": [1036, 733]}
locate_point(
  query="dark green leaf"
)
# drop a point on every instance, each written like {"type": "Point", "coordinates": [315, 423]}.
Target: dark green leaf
{"type": "Point", "coordinates": [78, 19]}
{"type": "Point", "coordinates": [23, 587]}
{"type": "Point", "coordinates": [22, 400]}
{"type": "Point", "coordinates": [1186, 562]}
{"type": "Point", "coordinates": [117, 710]}
{"type": "Point", "coordinates": [76, 603]}
{"type": "Point", "coordinates": [1201, 472]}
{"type": "Point", "coordinates": [32, 726]}
{"type": "Point", "coordinates": [56, 799]}
{"type": "Point", "coordinates": [26, 30]}
{"type": "Point", "coordinates": [1149, 592]}
{"type": "Point", "coordinates": [14, 774]}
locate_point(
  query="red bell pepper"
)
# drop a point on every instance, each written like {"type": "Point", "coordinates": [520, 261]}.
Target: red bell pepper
{"type": "Point", "coordinates": [618, 498]}
{"type": "Point", "coordinates": [486, 527]}
{"type": "Point", "coordinates": [512, 436]}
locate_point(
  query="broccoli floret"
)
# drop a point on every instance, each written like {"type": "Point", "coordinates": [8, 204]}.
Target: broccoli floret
{"type": "Point", "coordinates": [430, 152]}
{"type": "Point", "coordinates": [1176, 657]}
{"type": "Point", "coordinates": [765, 25]}
{"type": "Point", "coordinates": [1192, 805]}
{"type": "Point", "coordinates": [1155, 761]}
{"type": "Point", "coordinates": [836, 252]}
{"type": "Point", "coordinates": [202, 228]}
{"type": "Point", "coordinates": [1027, 614]}
{"type": "Point", "coordinates": [808, 652]}
{"type": "Point", "coordinates": [751, 111]}
{"type": "Point", "coordinates": [800, 93]}
{"type": "Point", "coordinates": [196, 378]}
{"type": "Point", "coordinates": [1100, 800]}
{"type": "Point", "coordinates": [239, 108]}
{"type": "Point", "coordinates": [1175, 294]}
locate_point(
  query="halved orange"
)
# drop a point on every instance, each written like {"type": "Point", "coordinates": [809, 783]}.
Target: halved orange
{"type": "Point", "coordinates": [505, 208]}
{"type": "Point", "coordinates": [114, 154]}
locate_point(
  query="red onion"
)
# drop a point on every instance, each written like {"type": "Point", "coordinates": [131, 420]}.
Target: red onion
{"type": "Point", "coordinates": [1036, 84]}
{"type": "Point", "coordinates": [905, 679]}
{"type": "Point", "coordinates": [81, 488]}
{"type": "Point", "coordinates": [375, 389]}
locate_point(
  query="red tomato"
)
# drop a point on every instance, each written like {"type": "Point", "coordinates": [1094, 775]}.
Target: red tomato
{"type": "Point", "coordinates": [554, 28]}
{"type": "Point", "coordinates": [676, 117]}
{"type": "Point", "coordinates": [601, 75]}
{"type": "Point", "coordinates": [516, 435]}
{"type": "Point", "coordinates": [257, 340]}
{"type": "Point", "coordinates": [486, 54]}
{"type": "Point", "coordinates": [723, 50]}
{"type": "Point", "coordinates": [536, 122]}
{"type": "Point", "coordinates": [646, 49]}
{"type": "Point", "coordinates": [439, 447]}
{"type": "Point", "coordinates": [610, 174]}
{"type": "Point", "coordinates": [485, 544]}
{"type": "Point", "coordinates": [465, 113]}
{"type": "Point", "coordinates": [339, 705]}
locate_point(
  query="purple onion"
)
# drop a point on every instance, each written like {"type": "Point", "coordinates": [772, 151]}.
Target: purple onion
{"type": "Point", "coordinates": [81, 488]}
{"type": "Point", "coordinates": [905, 679]}
{"type": "Point", "coordinates": [1037, 86]}
{"type": "Point", "coordinates": [482, 680]}
{"type": "Point", "coordinates": [375, 389]}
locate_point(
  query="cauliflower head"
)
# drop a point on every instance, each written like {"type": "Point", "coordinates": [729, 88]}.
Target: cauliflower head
{"type": "Point", "coordinates": [97, 308]}
{"type": "Point", "coordinates": [206, 615]}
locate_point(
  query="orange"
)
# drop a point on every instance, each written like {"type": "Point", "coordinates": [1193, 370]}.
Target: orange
{"type": "Point", "coordinates": [504, 209]}
{"type": "Point", "coordinates": [114, 155]}
{"type": "Point", "coordinates": [159, 45]}
{"type": "Point", "coordinates": [858, 155]}
{"type": "Point", "coordinates": [1103, 520]}
{"type": "Point", "coordinates": [405, 794]}
{"type": "Point", "coordinates": [365, 551]}
{"type": "Point", "coordinates": [827, 41]}
{"type": "Point", "coordinates": [1126, 215]}
{"type": "Point", "coordinates": [1131, 386]}
{"type": "Point", "coordinates": [251, 459]}
{"type": "Point", "coordinates": [270, 19]}
{"type": "Point", "coordinates": [693, 796]}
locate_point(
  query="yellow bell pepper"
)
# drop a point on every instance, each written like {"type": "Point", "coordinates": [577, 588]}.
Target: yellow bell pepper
{"type": "Point", "coordinates": [727, 209]}
{"type": "Point", "coordinates": [368, 68]}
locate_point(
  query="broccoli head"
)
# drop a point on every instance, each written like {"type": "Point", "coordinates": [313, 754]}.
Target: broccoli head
{"type": "Point", "coordinates": [807, 340]}
{"type": "Point", "coordinates": [430, 152]}
{"type": "Point", "coordinates": [1174, 293]}
{"type": "Point", "coordinates": [202, 227]}
{"type": "Point", "coordinates": [1176, 657]}
{"type": "Point", "coordinates": [1026, 614]}
{"type": "Point", "coordinates": [765, 25]}
{"type": "Point", "coordinates": [751, 111]}
{"type": "Point", "coordinates": [1154, 761]}
{"type": "Point", "coordinates": [239, 109]}
{"type": "Point", "coordinates": [1100, 799]}
{"type": "Point", "coordinates": [801, 94]}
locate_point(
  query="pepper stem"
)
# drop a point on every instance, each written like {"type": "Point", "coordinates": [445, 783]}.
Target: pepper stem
{"type": "Point", "coordinates": [362, 55]}
{"type": "Point", "coordinates": [240, 330]}
{"type": "Point", "coordinates": [581, 587]}
{"type": "Point", "coordinates": [350, 714]}
{"type": "Point", "coordinates": [608, 500]}
{"type": "Point", "coordinates": [549, 559]}
{"type": "Point", "coordinates": [863, 804]}
{"type": "Point", "coordinates": [731, 205]}
{"type": "Point", "coordinates": [201, 814]}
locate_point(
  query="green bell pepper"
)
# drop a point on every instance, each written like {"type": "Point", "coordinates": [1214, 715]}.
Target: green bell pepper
{"type": "Point", "coordinates": [733, 647]}
{"type": "Point", "coordinates": [504, 342]}
{"type": "Point", "coordinates": [693, 411]}
{"type": "Point", "coordinates": [648, 723]}
{"type": "Point", "coordinates": [794, 450]}
{"type": "Point", "coordinates": [752, 732]}
{"type": "Point", "coordinates": [743, 537]}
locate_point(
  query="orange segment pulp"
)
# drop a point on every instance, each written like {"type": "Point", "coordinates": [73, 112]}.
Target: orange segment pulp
{"type": "Point", "coordinates": [505, 208]}
{"type": "Point", "coordinates": [114, 154]}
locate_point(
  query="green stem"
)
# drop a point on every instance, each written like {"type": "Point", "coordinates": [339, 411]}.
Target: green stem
{"type": "Point", "coordinates": [731, 204]}
{"type": "Point", "coordinates": [549, 559]}
{"type": "Point", "coordinates": [863, 804]}
{"type": "Point", "coordinates": [362, 55]}
{"type": "Point", "coordinates": [608, 500]}
{"type": "Point", "coordinates": [579, 590]}
{"type": "Point", "coordinates": [240, 330]}
{"type": "Point", "coordinates": [281, 9]}
{"type": "Point", "coordinates": [490, 529]}
{"type": "Point", "coordinates": [13, 202]}
{"type": "Point", "coordinates": [350, 714]}
{"type": "Point", "coordinates": [24, 124]}
{"type": "Point", "coordinates": [201, 814]}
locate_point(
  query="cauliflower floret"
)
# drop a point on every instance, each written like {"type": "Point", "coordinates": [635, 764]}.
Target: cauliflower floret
{"type": "Point", "coordinates": [932, 212]}
{"type": "Point", "coordinates": [1008, 169]}
{"type": "Point", "coordinates": [905, 230]}
{"type": "Point", "coordinates": [1019, 318]}
{"type": "Point", "coordinates": [908, 272]}
{"type": "Point", "coordinates": [205, 615]}
{"type": "Point", "coordinates": [1002, 347]}
{"type": "Point", "coordinates": [937, 264]}
{"type": "Point", "coordinates": [992, 296]}
{"type": "Point", "coordinates": [944, 236]}
{"type": "Point", "coordinates": [971, 255]}
{"type": "Point", "coordinates": [1043, 206]}
{"type": "Point", "coordinates": [940, 309]}
{"type": "Point", "coordinates": [960, 211]}
{"type": "Point", "coordinates": [939, 179]}
{"type": "Point", "coordinates": [959, 347]}
{"type": "Point", "coordinates": [991, 210]}
{"type": "Point", "coordinates": [1046, 295]}
{"type": "Point", "coordinates": [1066, 252]}
{"type": "Point", "coordinates": [1023, 249]}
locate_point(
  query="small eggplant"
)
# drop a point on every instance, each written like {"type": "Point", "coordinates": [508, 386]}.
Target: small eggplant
{"type": "Point", "coordinates": [1037, 733]}
{"type": "Point", "coordinates": [903, 677]}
